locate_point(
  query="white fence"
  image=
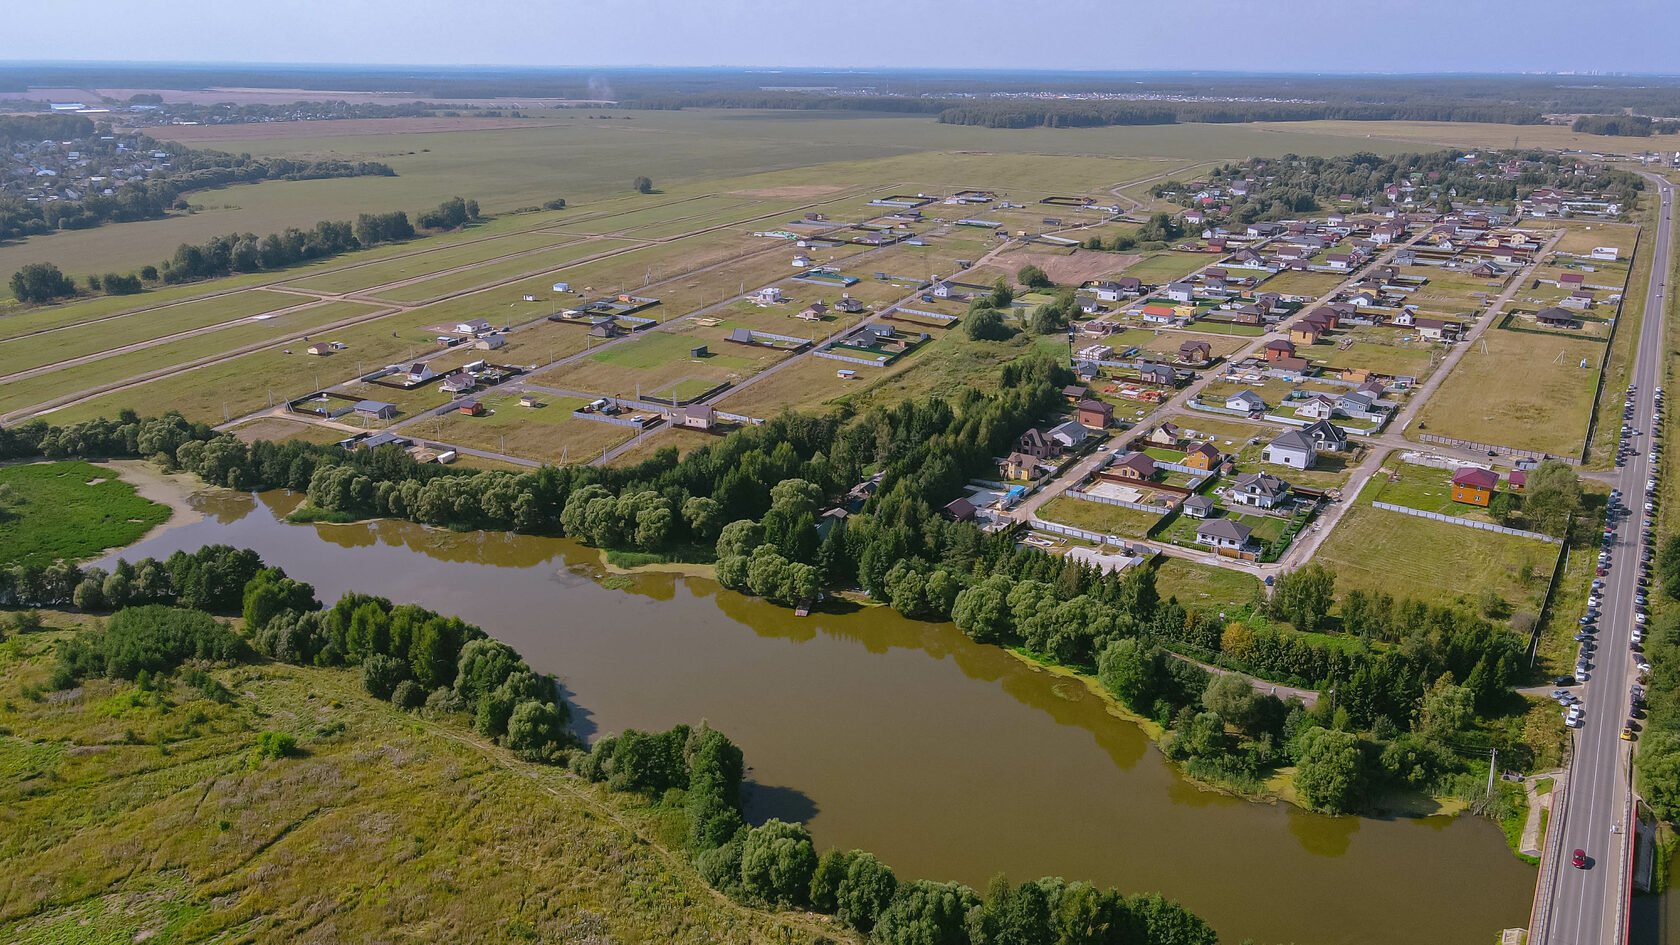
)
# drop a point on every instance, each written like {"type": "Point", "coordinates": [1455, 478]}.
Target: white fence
{"type": "Point", "coordinates": [1496, 448]}
{"type": "Point", "coordinates": [1067, 530]}
{"type": "Point", "coordinates": [1455, 520]}
{"type": "Point", "coordinates": [846, 357]}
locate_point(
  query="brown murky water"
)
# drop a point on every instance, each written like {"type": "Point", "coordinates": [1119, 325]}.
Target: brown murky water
{"type": "Point", "coordinates": [948, 759]}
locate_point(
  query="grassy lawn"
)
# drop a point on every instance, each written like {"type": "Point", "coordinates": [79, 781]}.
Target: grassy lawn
{"type": "Point", "coordinates": [279, 331]}
{"type": "Point", "coordinates": [1290, 282]}
{"type": "Point", "coordinates": [1526, 391]}
{"type": "Point", "coordinates": [1380, 358]}
{"type": "Point", "coordinates": [1439, 562]}
{"type": "Point", "coordinates": [158, 827]}
{"type": "Point", "coordinates": [548, 433]}
{"type": "Point", "coordinates": [281, 429]}
{"type": "Point", "coordinates": [21, 353]}
{"type": "Point", "coordinates": [548, 259]}
{"type": "Point", "coordinates": [418, 264]}
{"type": "Point", "coordinates": [1098, 517]}
{"type": "Point", "coordinates": [1330, 471]}
{"type": "Point", "coordinates": [69, 510]}
{"type": "Point", "coordinates": [1168, 265]}
{"type": "Point", "coordinates": [1203, 586]}
{"type": "Point", "coordinates": [1424, 488]}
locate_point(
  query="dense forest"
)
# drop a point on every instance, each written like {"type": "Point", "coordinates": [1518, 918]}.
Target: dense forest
{"type": "Point", "coordinates": [1030, 113]}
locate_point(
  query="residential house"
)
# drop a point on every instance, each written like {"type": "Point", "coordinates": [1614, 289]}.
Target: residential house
{"type": "Point", "coordinates": [471, 408]}
{"type": "Point", "coordinates": [813, 312]}
{"type": "Point", "coordinates": [1157, 313]}
{"type": "Point", "coordinates": [603, 327]}
{"type": "Point", "coordinates": [1245, 400]}
{"type": "Point", "coordinates": [1316, 407]}
{"type": "Point", "coordinates": [1157, 375]}
{"type": "Point", "coordinates": [1554, 318]}
{"type": "Point", "coordinates": [1244, 314]}
{"type": "Point", "coordinates": [1436, 329]}
{"type": "Point", "coordinates": [1223, 533]}
{"type": "Point", "coordinates": [1180, 291]}
{"type": "Point", "coordinates": [1572, 280]}
{"type": "Point", "coordinates": [1326, 436]}
{"type": "Point", "coordinates": [769, 295]}
{"type": "Point", "coordinates": [319, 348]}
{"type": "Point", "coordinates": [1260, 490]}
{"type": "Point", "coordinates": [1197, 506]}
{"type": "Point", "coordinates": [1037, 444]}
{"type": "Point", "coordinates": [1339, 261]}
{"type": "Point", "coordinates": [1279, 348]}
{"type": "Point", "coordinates": [375, 409]}
{"type": "Point", "coordinates": [1020, 466]}
{"type": "Point", "coordinates": [1075, 393]}
{"type": "Point", "coordinates": [1293, 449]}
{"type": "Point", "coordinates": [1137, 466]}
{"type": "Point", "coordinates": [1097, 352]}
{"type": "Point", "coordinates": [420, 372]}
{"type": "Point", "coordinates": [1516, 480]}
{"type": "Point", "coordinates": [1290, 366]}
{"type": "Point", "coordinates": [849, 305]}
{"type": "Point", "coordinates": [1195, 352]}
{"type": "Point", "coordinates": [1578, 301]}
{"type": "Point", "coordinates": [1069, 435]}
{"type": "Point", "coordinates": [491, 341]}
{"type": "Point", "coordinates": [1473, 485]}
{"type": "Point", "coordinates": [1356, 404]}
{"type": "Point", "coordinates": [1164, 435]}
{"type": "Point", "coordinates": [472, 326]}
{"type": "Point", "coordinates": [458, 383]}
{"type": "Point", "coordinates": [697, 417]}
{"type": "Point", "coordinates": [1202, 456]}
{"type": "Point", "coordinates": [1305, 333]}
{"type": "Point", "coordinates": [1095, 414]}
{"type": "Point", "coordinates": [959, 510]}
{"type": "Point", "coordinates": [943, 290]}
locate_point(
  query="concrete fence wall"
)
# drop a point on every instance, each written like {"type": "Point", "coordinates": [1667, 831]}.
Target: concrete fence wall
{"type": "Point", "coordinates": [1506, 450]}
{"type": "Point", "coordinates": [1455, 520]}
{"type": "Point", "coordinates": [1107, 500]}
{"type": "Point", "coordinates": [848, 358]}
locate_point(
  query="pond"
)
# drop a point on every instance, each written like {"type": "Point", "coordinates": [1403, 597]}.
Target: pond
{"type": "Point", "coordinates": [948, 759]}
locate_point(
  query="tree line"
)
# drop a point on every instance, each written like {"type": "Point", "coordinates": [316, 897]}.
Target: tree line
{"type": "Point", "coordinates": [246, 252]}
{"type": "Point", "coordinates": [424, 662]}
{"type": "Point", "coordinates": [1020, 113]}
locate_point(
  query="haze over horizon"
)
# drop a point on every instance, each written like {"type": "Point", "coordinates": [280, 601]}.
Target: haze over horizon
{"type": "Point", "coordinates": [1312, 37]}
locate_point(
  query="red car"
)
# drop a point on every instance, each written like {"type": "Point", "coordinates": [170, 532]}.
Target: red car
{"type": "Point", "coordinates": [1579, 860]}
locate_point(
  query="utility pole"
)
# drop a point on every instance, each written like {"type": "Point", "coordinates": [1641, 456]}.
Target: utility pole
{"type": "Point", "coordinates": [1493, 756]}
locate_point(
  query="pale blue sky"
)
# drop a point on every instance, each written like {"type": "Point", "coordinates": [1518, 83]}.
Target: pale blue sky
{"type": "Point", "coordinates": [1254, 35]}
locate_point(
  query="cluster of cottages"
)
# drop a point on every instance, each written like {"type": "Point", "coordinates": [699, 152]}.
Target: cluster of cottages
{"type": "Point", "coordinates": [47, 171]}
{"type": "Point", "coordinates": [1551, 202]}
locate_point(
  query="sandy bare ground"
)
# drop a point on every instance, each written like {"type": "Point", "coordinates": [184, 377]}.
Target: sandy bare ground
{"type": "Point", "coordinates": [1076, 268]}
{"type": "Point", "coordinates": [793, 190]}
{"type": "Point", "coordinates": [172, 489]}
{"type": "Point", "coordinates": [337, 128]}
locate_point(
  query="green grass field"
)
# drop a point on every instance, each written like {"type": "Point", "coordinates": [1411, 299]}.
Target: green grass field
{"type": "Point", "coordinates": [70, 511]}
{"type": "Point", "coordinates": [1164, 267]}
{"type": "Point", "coordinates": [138, 816]}
{"type": "Point", "coordinates": [1202, 587]}
{"type": "Point", "coordinates": [1406, 556]}
{"type": "Point", "coordinates": [1098, 517]}
{"type": "Point", "coordinates": [21, 354]}
{"type": "Point", "coordinates": [1527, 391]}
{"type": "Point", "coordinates": [429, 261]}
{"type": "Point", "coordinates": [42, 388]}
{"type": "Point", "coordinates": [549, 260]}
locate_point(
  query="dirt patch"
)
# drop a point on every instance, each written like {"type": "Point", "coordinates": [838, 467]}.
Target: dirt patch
{"type": "Point", "coordinates": [793, 190]}
{"type": "Point", "coordinates": [1076, 268]}
{"type": "Point", "coordinates": [337, 128]}
{"type": "Point", "coordinates": [172, 489]}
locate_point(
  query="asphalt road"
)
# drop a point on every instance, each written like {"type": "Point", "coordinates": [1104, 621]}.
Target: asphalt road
{"type": "Point", "coordinates": [1589, 906]}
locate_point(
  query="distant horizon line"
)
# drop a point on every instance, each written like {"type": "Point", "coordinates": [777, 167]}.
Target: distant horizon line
{"type": "Point", "coordinates": [809, 69]}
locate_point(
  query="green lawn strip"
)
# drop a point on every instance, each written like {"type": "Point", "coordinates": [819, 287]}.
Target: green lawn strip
{"type": "Point", "coordinates": [69, 510]}
{"type": "Point", "coordinates": [551, 259]}
{"type": "Point", "coordinates": [429, 261]}
{"type": "Point", "coordinates": [43, 387]}
{"type": "Point", "coordinates": [22, 354]}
